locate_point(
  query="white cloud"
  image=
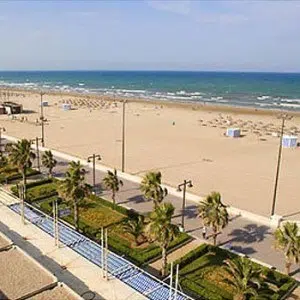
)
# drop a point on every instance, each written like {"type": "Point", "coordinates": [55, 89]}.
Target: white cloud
{"type": "Point", "coordinates": [182, 7]}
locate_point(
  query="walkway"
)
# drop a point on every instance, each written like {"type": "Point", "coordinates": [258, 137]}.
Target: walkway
{"type": "Point", "coordinates": [246, 236]}
{"type": "Point", "coordinates": [118, 267]}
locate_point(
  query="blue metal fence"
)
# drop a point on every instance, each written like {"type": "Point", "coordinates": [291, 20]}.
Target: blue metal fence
{"type": "Point", "coordinates": [138, 279]}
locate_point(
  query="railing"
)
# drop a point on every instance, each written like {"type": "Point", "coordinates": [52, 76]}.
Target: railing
{"type": "Point", "coordinates": [121, 259]}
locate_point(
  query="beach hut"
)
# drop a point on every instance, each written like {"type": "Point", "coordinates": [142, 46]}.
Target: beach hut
{"type": "Point", "coordinates": [66, 106]}
{"type": "Point", "coordinates": [233, 132]}
{"type": "Point", "coordinates": [12, 108]}
{"type": "Point", "coordinates": [289, 141]}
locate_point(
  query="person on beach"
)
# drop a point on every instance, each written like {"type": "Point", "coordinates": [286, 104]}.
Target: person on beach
{"type": "Point", "coordinates": [204, 232]}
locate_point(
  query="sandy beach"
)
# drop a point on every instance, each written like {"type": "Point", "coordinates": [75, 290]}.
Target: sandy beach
{"type": "Point", "coordinates": [182, 141]}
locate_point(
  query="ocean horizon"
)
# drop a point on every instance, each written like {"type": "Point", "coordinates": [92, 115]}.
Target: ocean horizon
{"type": "Point", "coordinates": [268, 90]}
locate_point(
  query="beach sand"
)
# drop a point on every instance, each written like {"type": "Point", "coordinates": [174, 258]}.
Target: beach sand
{"type": "Point", "coordinates": [182, 141]}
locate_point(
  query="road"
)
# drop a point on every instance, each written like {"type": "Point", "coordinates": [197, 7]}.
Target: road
{"type": "Point", "coordinates": [242, 235]}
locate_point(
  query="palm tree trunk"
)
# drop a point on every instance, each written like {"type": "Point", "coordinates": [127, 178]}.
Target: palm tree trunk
{"type": "Point", "coordinates": [287, 266]}
{"type": "Point", "coordinates": [164, 261]}
{"type": "Point", "coordinates": [76, 215]}
{"type": "Point", "coordinates": [114, 198]}
{"type": "Point", "coordinates": [215, 236]}
{"type": "Point", "coordinates": [24, 182]}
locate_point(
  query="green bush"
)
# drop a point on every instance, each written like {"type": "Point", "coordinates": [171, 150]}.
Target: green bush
{"type": "Point", "coordinates": [13, 175]}
{"type": "Point", "coordinates": [141, 256]}
{"type": "Point", "coordinates": [40, 182]}
{"type": "Point", "coordinates": [207, 258]}
{"type": "Point", "coordinates": [38, 190]}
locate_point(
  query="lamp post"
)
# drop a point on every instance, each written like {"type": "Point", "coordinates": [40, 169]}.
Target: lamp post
{"type": "Point", "coordinates": [182, 187]}
{"type": "Point", "coordinates": [93, 159]}
{"type": "Point", "coordinates": [123, 136]}
{"type": "Point", "coordinates": [42, 119]}
{"type": "Point", "coordinates": [2, 129]}
{"type": "Point", "coordinates": [42, 106]}
{"type": "Point", "coordinates": [283, 117]}
{"type": "Point", "coordinates": [36, 141]}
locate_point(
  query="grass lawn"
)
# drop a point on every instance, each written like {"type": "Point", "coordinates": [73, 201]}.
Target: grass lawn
{"type": "Point", "coordinates": [202, 275]}
{"type": "Point", "coordinates": [94, 213]}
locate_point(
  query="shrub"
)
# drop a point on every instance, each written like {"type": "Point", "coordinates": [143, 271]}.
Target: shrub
{"type": "Point", "coordinates": [38, 190]}
{"type": "Point", "coordinates": [13, 174]}
{"type": "Point", "coordinates": [195, 265]}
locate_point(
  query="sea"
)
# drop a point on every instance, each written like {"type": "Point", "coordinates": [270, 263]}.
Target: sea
{"type": "Point", "coordinates": [258, 90]}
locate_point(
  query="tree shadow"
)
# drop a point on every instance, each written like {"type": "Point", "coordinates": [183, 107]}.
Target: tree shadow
{"type": "Point", "coordinates": [59, 174]}
{"type": "Point", "coordinates": [61, 163]}
{"type": "Point", "coordinates": [194, 229]}
{"type": "Point", "coordinates": [191, 212]}
{"type": "Point", "coordinates": [98, 189]}
{"type": "Point", "coordinates": [250, 233]}
{"type": "Point", "coordinates": [291, 214]}
{"type": "Point", "coordinates": [295, 272]}
{"type": "Point", "coordinates": [134, 199]}
{"type": "Point", "coordinates": [243, 250]}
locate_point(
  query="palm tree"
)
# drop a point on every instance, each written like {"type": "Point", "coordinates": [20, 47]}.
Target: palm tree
{"type": "Point", "coordinates": [287, 239]}
{"type": "Point", "coordinates": [161, 230]}
{"type": "Point", "coordinates": [3, 160]}
{"type": "Point", "coordinates": [113, 183]}
{"type": "Point", "coordinates": [73, 188]}
{"type": "Point", "coordinates": [21, 156]}
{"type": "Point", "coordinates": [49, 161]}
{"type": "Point", "coordinates": [214, 213]}
{"type": "Point", "coordinates": [243, 277]}
{"type": "Point", "coordinates": [135, 227]}
{"type": "Point", "coordinates": [151, 188]}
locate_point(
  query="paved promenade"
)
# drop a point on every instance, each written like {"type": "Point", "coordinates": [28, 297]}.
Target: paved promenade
{"type": "Point", "coordinates": [248, 236]}
{"type": "Point", "coordinates": [68, 266]}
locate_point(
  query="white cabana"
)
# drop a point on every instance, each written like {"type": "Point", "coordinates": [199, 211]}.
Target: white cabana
{"type": "Point", "coordinates": [233, 132]}
{"type": "Point", "coordinates": [289, 141]}
{"type": "Point", "coordinates": [66, 106]}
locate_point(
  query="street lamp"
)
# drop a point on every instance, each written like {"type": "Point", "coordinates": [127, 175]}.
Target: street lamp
{"type": "Point", "coordinates": [123, 136]}
{"type": "Point", "coordinates": [93, 159]}
{"type": "Point", "coordinates": [36, 141]}
{"type": "Point", "coordinates": [2, 129]}
{"type": "Point", "coordinates": [42, 106]}
{"type": "Point", "coordinates": [182, 187]}
{"type": "Point", "coordinates": [283, 117]}
{"type": "Point", "coordinates": [42, 119]}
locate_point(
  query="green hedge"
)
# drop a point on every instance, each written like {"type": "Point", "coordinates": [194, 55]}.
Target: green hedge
{"type": "Point", "coordinates": [198, 287]}
{"type": "Point", "coordinates": [39, 190]}
{"type": "Point", "coordinates": [8, 178]}
{"type": "Point", "coordinates": [139, 256]}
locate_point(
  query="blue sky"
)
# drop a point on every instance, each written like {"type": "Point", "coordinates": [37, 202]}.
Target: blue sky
{"type": "Point", "coordinates": [150, 35]}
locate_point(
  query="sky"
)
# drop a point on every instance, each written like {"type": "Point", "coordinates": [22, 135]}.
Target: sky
{"type": "Point", "coordinates": [212, 35]}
